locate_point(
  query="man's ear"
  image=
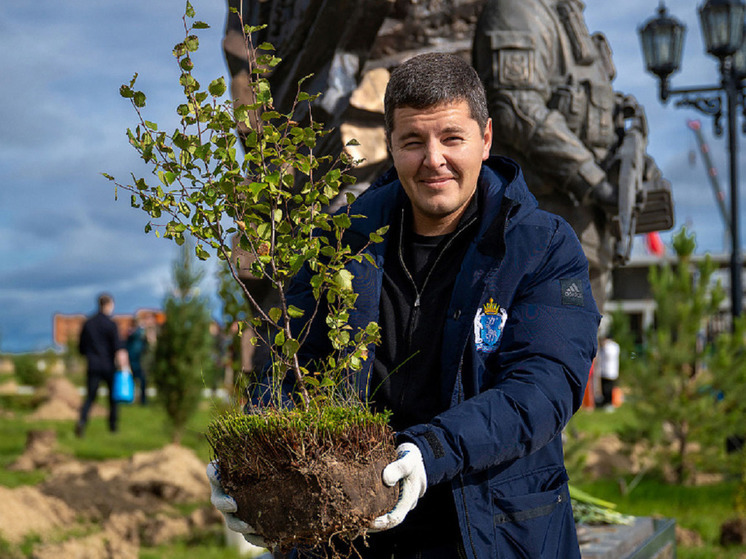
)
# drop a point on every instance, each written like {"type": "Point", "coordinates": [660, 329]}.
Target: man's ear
{"type": "Point", "coordinates": [487, 137]}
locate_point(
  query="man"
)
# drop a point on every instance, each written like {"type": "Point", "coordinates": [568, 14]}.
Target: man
{"type": "Point", "coordinates": [488, 325]}
{"type": "Point", "coordinates": [549, 87]}
{"type": "Point", "coordinates": [103, 349]}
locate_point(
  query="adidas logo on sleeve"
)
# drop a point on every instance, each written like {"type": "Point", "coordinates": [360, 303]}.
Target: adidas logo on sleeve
{"type": "Point", "coordinates": [572, 292]}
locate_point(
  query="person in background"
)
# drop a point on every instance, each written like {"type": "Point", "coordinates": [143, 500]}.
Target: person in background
{"type": "Point", "coordinates": [137, 344]}
{"type": "Point", "coordinates": [104, 351]}
{"type": "Point", "coordinates": [607, 369]}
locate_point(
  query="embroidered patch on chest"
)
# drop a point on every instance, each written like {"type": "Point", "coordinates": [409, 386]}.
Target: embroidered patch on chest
{"type": "Point", "coordinates": [488, 326]}
{"type": "Point", "coordinates": [572, 292]}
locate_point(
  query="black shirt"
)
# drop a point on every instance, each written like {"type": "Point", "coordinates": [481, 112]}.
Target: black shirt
{"type": "Point", "coordinates": [419, 274]}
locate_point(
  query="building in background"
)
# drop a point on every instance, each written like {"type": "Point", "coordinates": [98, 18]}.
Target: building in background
{"type": "Point", "coordinates": [66, 327]}
{"type": "Point", "coordinates": [632, 294]}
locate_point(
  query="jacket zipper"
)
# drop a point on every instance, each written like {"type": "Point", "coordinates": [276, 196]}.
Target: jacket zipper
{"type": "Point", "coordinates": [414, 317]}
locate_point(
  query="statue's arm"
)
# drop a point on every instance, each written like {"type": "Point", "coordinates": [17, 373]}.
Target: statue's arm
{"type": "Point", "coordinates": [542, 134]}
{"type": "Point", "coordinates": [518, 53]}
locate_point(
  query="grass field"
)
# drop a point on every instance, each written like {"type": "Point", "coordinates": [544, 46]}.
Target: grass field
{"type": "Point", "coordinates": [701, 508]}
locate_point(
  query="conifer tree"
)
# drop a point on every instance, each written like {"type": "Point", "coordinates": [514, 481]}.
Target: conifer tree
{"type": "Point", "coordinates": [184, 347]}
{"type": "Point", "coordinates": [673, 384]}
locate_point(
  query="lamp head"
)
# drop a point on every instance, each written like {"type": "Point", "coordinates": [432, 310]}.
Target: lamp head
{"type": "Point", "coordinates": [722, 23]}
{"type": "Point", "coordinates": [662, 39]}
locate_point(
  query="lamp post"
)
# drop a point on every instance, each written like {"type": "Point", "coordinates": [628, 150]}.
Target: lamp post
{"type": "Point", "coordinates": [722, 23]}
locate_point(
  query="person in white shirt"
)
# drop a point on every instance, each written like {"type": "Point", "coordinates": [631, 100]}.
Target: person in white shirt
{"type": "Point", "coordinates": [607, 368]}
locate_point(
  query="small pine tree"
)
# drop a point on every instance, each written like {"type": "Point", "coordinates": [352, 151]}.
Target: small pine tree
{"type": "Point", "coordinates": [184, 346]}
{"type": "Point", "coordinates": [729, 356]}
{"type": "Point", "coordinates": [672, 381]}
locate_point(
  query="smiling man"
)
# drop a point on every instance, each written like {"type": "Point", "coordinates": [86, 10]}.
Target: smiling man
{"type": "Point", "coordinates": [489, 329]}
{"type": "Point", "coordinates": [438, 154]}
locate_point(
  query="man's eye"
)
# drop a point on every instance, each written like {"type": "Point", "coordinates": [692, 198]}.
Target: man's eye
{"type": "Point", "coordinates": [454, 139]}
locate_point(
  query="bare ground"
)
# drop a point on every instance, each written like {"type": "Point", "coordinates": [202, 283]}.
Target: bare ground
{"type": "Point", "coordinates": [101, 510]}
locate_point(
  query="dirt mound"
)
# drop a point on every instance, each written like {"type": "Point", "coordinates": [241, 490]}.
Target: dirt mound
{"type": "Point", "coordinates": [61, 401]}
{"type": "Point", "coordinates": [9, 387]}
{"type": "Point", "coordinates": [172, 473]}
{"type": "Point", "coordinates": [41, 451]}
{"type": "Point", "coordinates": [96, 498]}
{"type": "Point", "coordinates": [147, 481]}
{"type": "Point", "coordinates": [96, 546]}
{"type": "Point", "coordinates": [120, 501]}
{"type": "Point", "coordinates": [733, 532]}
{"type": "Point", "coordinates": [26, 510]}
{"type": "Point", "coordinates": [63, 390]}
{"type": "Point", "coordinates": [688, 538]}
{"type": "Point", "coordinates": [606, 459]}
{"type": "Point", "coordinates": [118, 539]}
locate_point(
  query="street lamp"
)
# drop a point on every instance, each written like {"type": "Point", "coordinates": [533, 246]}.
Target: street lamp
{"type": "Point", "coordinates": [722, 23]}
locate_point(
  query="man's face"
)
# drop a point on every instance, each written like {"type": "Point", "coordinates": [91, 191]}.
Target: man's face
{"type": "Point", "coordinates": [438, 154]}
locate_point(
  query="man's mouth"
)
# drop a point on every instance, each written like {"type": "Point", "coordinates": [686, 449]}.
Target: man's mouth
{"type": "Point", "coordinates": [435, 182]}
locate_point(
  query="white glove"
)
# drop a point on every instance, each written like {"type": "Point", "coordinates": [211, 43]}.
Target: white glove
{"type": "Point", "coordinates": [227, 505]}
{"type": "Point", "coordinates": [409, 471]}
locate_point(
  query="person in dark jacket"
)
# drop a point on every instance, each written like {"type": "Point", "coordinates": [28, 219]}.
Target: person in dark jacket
{"type": "Point", "coordinates": [103, 349]}
{"type": "Point", "coordinates": [486, 301]}
{"type": "Point", "coordinates": [137, 345]}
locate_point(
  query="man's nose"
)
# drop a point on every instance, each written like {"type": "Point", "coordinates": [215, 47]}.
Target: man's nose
{"type": "Point", "coordinates": [434, 154]}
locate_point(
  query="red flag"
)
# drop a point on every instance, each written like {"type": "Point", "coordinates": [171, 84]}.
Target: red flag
{"type": "Point", "coordinates": [655, 244]}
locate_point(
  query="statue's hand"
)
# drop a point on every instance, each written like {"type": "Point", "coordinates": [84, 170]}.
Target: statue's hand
{"type": "Point", "coordinates": [605, 195]}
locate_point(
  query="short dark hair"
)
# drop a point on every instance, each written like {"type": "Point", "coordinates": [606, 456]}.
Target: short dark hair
{"type": "Point", "coordinates": [103, 300]}
{"type": "Point", "coordinates": [432, 79]}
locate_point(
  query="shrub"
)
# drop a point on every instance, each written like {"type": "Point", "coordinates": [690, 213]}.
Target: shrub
{"type": "Point", "coordinates": [27, 370]}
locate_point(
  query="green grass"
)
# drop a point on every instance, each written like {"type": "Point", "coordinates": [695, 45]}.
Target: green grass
{"type": "Point", "coordinates": [702, 508]}
{"type": "Point", "coordinates": [599, 423]}
{"type": "Point", "coordinates": [141, 428]}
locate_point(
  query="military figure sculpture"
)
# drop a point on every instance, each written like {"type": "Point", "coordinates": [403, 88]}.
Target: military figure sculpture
{"type": "Point", "coordinates": [555, 112]}
{"type": "Point", "coordinates": [325, 41]}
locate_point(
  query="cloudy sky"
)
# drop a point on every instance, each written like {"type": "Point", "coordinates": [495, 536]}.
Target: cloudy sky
{"type": "Point", "coordinates": [63, 236]}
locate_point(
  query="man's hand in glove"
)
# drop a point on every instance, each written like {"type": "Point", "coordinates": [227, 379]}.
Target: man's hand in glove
{"type": "Point", "coordinates": [227, 505]}
{"type": "Point", "coordinates": [409, 471]}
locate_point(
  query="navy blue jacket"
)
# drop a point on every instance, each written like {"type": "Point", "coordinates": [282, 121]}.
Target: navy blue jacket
{"type": "Point", "coordinates": [99, 343]}
{"type": "Point", "coordinates": [519, 341]}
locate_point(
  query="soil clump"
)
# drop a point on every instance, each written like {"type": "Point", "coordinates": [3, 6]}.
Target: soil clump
{"type": "Point", "coordinates": [733, 532]}
{"type": "Point", "coordinates": [308, 505]}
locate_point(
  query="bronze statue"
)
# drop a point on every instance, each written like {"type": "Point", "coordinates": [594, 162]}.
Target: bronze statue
{"type": "Point", "coordinates": [581, 145]}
